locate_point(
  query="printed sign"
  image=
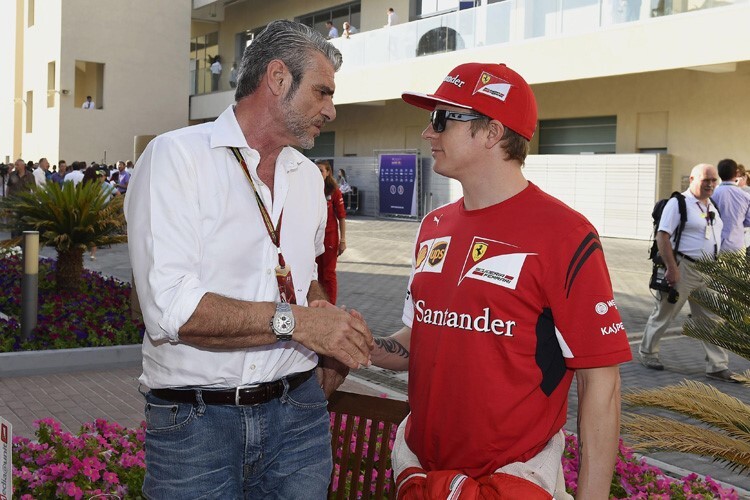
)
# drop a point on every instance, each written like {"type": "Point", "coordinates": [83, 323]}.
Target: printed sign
{"type": "Point", "coordinates": [6, 459]}
{"type": "Point", "coordinates": [398, 184]}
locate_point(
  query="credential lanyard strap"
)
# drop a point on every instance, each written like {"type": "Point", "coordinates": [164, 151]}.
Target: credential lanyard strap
{"type": "Point", "coordinates": [283, 273]}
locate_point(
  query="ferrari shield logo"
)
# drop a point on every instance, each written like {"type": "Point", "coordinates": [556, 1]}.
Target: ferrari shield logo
{"type": "Point", "coordinates": [486, 78]}
{"type": "Point", "coordinates": [478, 251]}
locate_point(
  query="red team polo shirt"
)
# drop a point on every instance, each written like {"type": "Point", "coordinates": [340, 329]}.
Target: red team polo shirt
{"type": "Point", "coordinates": [504, 304]}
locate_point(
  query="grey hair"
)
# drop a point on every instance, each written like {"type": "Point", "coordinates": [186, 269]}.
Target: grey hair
{"type": "Point", "coordinates": [291, 42]}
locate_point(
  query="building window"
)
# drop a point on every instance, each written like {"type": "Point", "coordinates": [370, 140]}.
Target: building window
{"type": "Point", "coordinates": [337, 15]}
{"type": "Point", "coordinates": [30, 17]}
{"type": "Point", "coordinates": [51, 84]}
{"type": "Point", "coordinates": [203, 51]}
{"type": "Point", "coordinates": [89, 83]}
{"type": "Point", "coordinates": [595, 134]}
{"type": "Point", "coordinates": [29, 111]}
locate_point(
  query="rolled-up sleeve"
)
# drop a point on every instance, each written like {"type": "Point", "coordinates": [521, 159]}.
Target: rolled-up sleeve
{"type": "Point", "coordinates": [163, 214]}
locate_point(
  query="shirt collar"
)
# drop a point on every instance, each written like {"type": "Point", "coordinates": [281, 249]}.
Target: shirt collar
{"type": "Point", "coordinates": [227, 133]}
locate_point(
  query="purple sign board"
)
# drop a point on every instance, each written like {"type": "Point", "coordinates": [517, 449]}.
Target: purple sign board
{"type": "Point", "coordinates": [398, 184]}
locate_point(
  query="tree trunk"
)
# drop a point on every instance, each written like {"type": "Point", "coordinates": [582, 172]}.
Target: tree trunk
{"type": "Point", "coordinates": [69, 270]}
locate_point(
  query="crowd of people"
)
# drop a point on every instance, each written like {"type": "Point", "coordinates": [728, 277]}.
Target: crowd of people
{"type": "Point", "coordinates": [22, 176]}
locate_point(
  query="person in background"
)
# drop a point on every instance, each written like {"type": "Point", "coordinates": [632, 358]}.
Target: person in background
{"type": "Point", "coordinates": [20, 180]}
{"type": "Point", "coordinates": [75, 175]}
{"type": "Point", "coordinates": [88, 103]}
{"type": "Point", "coordinates": [348, 29]}
{"type": "Point", "coordinates": [42, 173]}
{"type": "Point", "coordinates": [58, 176]}
{"type": "Point", "coordinates": [233, 76]}
{"type": "Point", "coordinates": [392, 17]}
{"type": "Point", "coordinates": [734, 206]}
{"type": "Point", "coordinates": [123, 177]}
{"type": "Point", "coordinates": [700, 238]}
{"type": "Point", "coordinates": [109, 191]}
{"type": "Point", "coordinates": [332, 31]}
{"type": "Point", "coordinates": [215, 69]}
{"type": "Point", "coordinates": [344, 186]}
{"type": "Point", "coordinates": [335, 235]}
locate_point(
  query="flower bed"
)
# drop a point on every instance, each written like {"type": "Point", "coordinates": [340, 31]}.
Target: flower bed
{"type": "Point", "coordinates": [98, 315]}
{"type": "Point", "coordinates": [106, 459]}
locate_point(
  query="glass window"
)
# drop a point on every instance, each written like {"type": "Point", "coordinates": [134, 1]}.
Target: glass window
{"type": "Point", "coordinates": [595, 134]}
{"type": "Point", "coordinates": [89, 82]}
{"type": "Point", "coordinates": [337, 15]}
{"type": "Point", "coordinates": [203, 50]}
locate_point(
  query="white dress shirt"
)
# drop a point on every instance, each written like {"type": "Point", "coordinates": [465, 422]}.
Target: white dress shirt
{"type": "Point", "coordinates": [74, 176]}
{"type": "Point", "coordinates": [194, 227]}
{"type": "Point", "coordinates": [41, 179]}
{"type": "Point", "coordinates": [699, 238]}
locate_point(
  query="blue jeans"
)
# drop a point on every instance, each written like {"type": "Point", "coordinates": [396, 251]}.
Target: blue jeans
{"type": "Point", "coordinates": [280, 449]}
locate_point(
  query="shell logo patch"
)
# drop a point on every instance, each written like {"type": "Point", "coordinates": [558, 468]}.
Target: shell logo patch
{"type": "Point", "coordinates": [421, 255]}
{"type": "Point", "coordinates": [492, 86]}
{"type": "Point", "coordinates": [432, 254]}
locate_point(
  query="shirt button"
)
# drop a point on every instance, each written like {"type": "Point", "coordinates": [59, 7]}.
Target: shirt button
{"type": "Point", "coordinates": [269, 271]}
{"type": "Point", "coordinates": [252, 367]}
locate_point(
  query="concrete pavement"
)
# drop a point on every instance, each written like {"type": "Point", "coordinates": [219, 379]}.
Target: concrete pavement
{"type": "Point", "coordinates": [373, 274]}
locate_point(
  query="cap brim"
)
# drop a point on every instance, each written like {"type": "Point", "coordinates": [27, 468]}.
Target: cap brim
{"type": "Point", "coordinates": [428, 101]}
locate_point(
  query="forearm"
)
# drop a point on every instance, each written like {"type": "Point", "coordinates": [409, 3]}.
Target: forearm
{"type": "Point", "coordinates": [223, 323]}
{"type": "Point", "coordinates": [392, 352]}
{"type": "Point", "coordinates": [598, 429]}
{"type": "Point", "coordinates": [342, 229]}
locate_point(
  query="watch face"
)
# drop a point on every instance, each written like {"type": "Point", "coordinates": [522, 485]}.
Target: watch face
{"type": "Point", "coordinates": [283, 323]}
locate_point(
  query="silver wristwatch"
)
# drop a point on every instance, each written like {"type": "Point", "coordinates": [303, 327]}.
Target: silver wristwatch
{"type": "Point", "coordinates": [282, 322]}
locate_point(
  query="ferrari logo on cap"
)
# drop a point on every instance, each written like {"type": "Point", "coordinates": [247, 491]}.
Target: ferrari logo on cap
{"type": "Point", "coordinates": [492, 86]}
{"type": "Point", "coordinates": [479, 250]}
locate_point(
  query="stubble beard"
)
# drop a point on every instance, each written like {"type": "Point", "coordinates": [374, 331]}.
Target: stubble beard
{"type": "Point", "coordinates": [298, 126]}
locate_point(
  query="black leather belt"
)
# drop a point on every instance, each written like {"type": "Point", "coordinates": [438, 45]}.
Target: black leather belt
{"type": "Point", "coordinates": [686, 257]}
{"type": "Point", "coordinates": [239, 396]}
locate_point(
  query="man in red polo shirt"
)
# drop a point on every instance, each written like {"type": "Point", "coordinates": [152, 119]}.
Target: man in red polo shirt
{"type": "Point", "coordinates": [509, 296]}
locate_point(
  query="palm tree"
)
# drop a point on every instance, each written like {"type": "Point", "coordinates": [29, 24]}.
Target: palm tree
{"type": "Point", "coordinates": [70, 219]}
{"type": "Point", "coordinates": [724, 433]}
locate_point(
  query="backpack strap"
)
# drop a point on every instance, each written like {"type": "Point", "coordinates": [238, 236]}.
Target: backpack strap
{"type": "Point", "coordinates": [682, 207]}
{"type": "Point", "coordinates": [715, 206]}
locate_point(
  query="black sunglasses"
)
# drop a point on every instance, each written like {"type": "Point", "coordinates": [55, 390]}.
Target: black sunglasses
{"type": "Point", "coordinates": [439, 117]}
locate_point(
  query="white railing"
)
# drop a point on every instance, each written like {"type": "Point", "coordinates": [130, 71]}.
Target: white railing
{"type": "Point", "coordinates": [503, 22]}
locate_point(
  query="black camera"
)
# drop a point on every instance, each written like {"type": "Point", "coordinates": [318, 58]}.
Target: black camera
{"type": "Point", "coordinates": [4, 169]}
{"type": "Point", "coordinates": [659, 282]}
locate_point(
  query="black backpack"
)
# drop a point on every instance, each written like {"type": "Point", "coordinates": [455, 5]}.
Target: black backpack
{"type": "Point", "coordinates": [653, 253]}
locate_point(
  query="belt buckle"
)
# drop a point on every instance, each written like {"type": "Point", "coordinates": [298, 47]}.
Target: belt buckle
{"type": "Point", "coordinates": [239, 388]}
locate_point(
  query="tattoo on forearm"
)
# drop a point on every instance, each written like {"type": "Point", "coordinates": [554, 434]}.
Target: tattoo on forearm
{"type": "Point", "coordinates": [391, 346]}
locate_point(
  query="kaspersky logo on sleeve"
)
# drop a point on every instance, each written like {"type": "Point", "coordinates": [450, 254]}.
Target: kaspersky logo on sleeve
{"type": "Point", "coordinates": [493, 262]}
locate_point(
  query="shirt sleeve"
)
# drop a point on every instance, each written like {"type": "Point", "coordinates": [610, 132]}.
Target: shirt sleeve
{"type": "Point", "coordinates": [321, 231]}
{"type": "Point", "coordinates": [162, 211]}
{"type": "Point", "coordinates": [670, 217]}
{"type": "Point", "coordinates": [588, 325]}
{"type": "Point", "coordinates": [339, 209]}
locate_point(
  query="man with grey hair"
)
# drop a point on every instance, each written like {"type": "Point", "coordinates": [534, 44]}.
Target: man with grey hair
{"type": "Point", "coordinates": [230, 348]}
{"type": "Point", "coordinates": [701, 237]}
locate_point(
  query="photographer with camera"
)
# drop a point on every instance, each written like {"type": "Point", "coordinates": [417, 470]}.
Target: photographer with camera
{"type": "Point", "coordinates": [700, 237]}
